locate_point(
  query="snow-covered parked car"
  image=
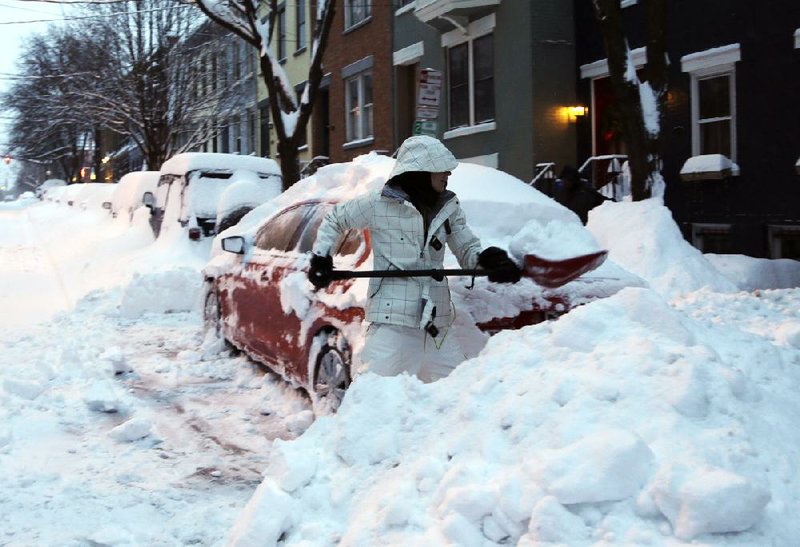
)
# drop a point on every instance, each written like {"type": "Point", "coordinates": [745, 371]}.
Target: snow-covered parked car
{"type": "Point", "coordinates": [130, 191]}
{"type": "Point", "coordinates": [47, 185]}
{"type": "Point", "coordinates": [191, 187]}
{"type": "Point", "coordinates": [258, 297]}
{"type": "Point", "coordinates": [89, 195]}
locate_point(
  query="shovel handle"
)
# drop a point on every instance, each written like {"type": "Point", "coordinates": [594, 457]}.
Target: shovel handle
{"type": "Point", "coordinates": [351, 274]}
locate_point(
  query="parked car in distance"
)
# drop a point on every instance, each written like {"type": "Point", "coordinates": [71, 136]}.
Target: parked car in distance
{"type": "Point", "coordinates": [258, 298]}
{"type": "Point", "coordinates": [89, 195]}
{"type": "Point", "coordinates": [48, 185]}
{"type": "Point", "coordinates": [190, 186]}
{"type": "Point", "coordinates": [130, 191]}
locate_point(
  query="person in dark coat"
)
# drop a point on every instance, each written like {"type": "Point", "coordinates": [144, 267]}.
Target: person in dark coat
{"type": "Point", "coordinates": [576, 194]}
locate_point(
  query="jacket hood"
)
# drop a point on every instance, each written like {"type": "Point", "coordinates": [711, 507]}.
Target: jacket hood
{"type": "Point", "coordinates": [423, 153]}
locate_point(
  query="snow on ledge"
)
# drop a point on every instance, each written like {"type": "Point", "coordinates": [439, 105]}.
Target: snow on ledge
{"type": "Point", "coordinates": [797, 38]}
{"type": "Point", "coordinates": [708, 167]}
{"type": "Point", "coordinates": [717, 58]}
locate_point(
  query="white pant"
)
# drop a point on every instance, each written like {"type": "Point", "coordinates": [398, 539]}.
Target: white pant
{"type": "Point", "coordinates": [390, 350]}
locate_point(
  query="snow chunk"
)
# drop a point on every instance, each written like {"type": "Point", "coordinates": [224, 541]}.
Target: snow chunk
{"type": "Point", "coordinates": [288, 471]}
{"type": "Point", "coordinates": [132, 430]}
{"type": "Point", "coordinates": [554, 240]}
{"type": "Point", "coordinates": [606, 465]}
{"type": "Point", "coordinates": [101, 397]}
{"type": "Point", "coordinates": [253, 529]}
{"type": "Point", "coordinates": [707, 500]}
{"type": "Point", "coordinates": [296, 294]}
{"type": "Point", "coordinates": [552, 522]}
{"type": "Point", "coordinates": [161, 292]}
{"type": "Point", "coordinates": [26, 389]}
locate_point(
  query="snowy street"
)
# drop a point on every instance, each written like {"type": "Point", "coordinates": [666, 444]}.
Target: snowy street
{"type": "Point", "coordinates": [662, 414]}
{"type": "Point", "coordinates": [88, 456]}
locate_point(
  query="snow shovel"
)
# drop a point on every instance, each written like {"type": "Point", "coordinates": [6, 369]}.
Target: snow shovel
{"type": "Point", "coordinates": [546, 273]}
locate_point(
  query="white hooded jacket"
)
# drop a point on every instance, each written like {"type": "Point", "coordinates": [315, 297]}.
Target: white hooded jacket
{"type": "Point", "coordinates": [397, 236]}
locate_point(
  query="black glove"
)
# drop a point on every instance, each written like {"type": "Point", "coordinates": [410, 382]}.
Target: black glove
{"type": "Point", "coordinates": [321, 271]}
{"type": "Point", "coordinates": [501, 268]}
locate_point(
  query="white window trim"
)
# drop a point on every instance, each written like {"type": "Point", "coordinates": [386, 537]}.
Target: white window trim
{"type": "Point", "coordinates": [357, 137]}
{"type": "Point", "coordinates": [347, 4]}
{"type": "Point", "coordinates": [476, 29]}
{"type": "Point", "coordinates": [409, 54]}
{"type": "Point", "coordinates": [405, 9]}
{"type": "Point", "coordinates": [599, 69]}
{"type": "Point", "coordinates": [711, 63]}
{"type": "Point", "coordinates": [797, 39]}
{"type": "Point", "coordinates": [469, 130]}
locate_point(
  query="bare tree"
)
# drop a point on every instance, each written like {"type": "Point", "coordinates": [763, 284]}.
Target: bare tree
{"type": "Point", "coordinates": [49, 127]}
{"type": "Point", "coordinates": [640, 103]}
{"type": "Point", "coordinates": [290, 115]}
{"type": "Point", "coordinates": [150, 90]}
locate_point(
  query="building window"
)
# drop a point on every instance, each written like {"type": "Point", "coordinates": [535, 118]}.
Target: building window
{"type": "Point", "coordinates": [784, 241]}
{"type": "Point", "coordinates": [712, 238]}
{"type": "Point", "coordinates": [235, 65]}
{"type": "Point", "coordinates": [281, 32]}
{"type": "Point", "coordinates": [713, 95]}
{"type": "Point", "coordinates": [300, 25]}
{"type": "Point", "coordinates": [358, 104]}
{"type": "Point", "coordinates": [471, 82]}
{"type": "Point", "coordinates": [356, 11]}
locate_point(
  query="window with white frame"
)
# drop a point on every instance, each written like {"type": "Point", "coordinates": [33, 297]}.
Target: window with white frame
{"type": "Point", "coordinates": [713, 99]}
{"type": "Point", "coordinates": [358, 104]}
{"type": "Point", "coordinates": [470, 74]}
{"type": "Point", "coordinates": [300, 25]}
{"type": "Point", "coordinates": [356, 11]}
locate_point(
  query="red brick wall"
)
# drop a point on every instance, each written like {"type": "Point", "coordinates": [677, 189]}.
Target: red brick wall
{"type": "Point", "coordinates": [372, 38]}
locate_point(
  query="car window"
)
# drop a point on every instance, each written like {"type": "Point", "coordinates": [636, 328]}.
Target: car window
{"type": "Point", "coordinates": [350, 243]}
{"type": "Point", "coordinates": [347, 245]}
{"type": "Point", "coordinates": [283, 232]}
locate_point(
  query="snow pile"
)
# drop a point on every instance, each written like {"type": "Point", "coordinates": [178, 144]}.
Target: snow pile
{"type": "Point", "coordinates": [163, 292]}
{"type": "Point", "coordinates": [749, 273]}
{"type": "Point", "coordinates": [625, 421]}
{"type": "Point", "coordinates": [246, 190]}
{"type": "Point", "coordinates": [643, 238]}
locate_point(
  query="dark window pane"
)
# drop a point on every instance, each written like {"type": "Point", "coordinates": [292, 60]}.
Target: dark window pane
{"type": "Point", "coordinates": [715, 138]}
{"type": "Point", "coordinates": [283, 232]}
{"type": "Point", "coordinates": [483, 51]}
{"type": "Point", "coordinates": [714, 97]}
{"type": "Point", "coordinates": [459, 106]}
{"type": "Point", "coordinates": [459, 65]}
{"type": "Point", "coordinates": [484, 101]}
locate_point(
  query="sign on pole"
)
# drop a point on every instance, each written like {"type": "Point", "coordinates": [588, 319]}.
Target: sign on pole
{"type": "Point", "coordinates": [429, 93]}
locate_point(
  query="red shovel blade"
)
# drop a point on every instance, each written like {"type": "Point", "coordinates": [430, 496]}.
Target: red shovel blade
{"type": "Point", "coordinates": [554, 273]}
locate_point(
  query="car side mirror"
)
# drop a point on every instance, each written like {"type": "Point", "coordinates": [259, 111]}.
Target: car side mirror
{"type": "Point", "coordinates": [233, 244]}
{"type": "Point", "coordinates": [148, 199]}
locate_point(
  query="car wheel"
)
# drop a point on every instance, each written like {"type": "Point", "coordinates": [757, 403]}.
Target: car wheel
{"type": "Point", "coordinates": [331, 370]}
{"type": "Point", "coordinates": [212, 323]}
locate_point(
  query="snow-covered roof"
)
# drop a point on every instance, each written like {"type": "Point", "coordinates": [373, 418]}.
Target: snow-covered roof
{"type": "Point", "coordinates": [192, 161]}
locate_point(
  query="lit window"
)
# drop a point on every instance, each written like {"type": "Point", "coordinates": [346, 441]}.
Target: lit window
{"type": "Point", "coordinates": [471, 82]}
{"type": "Point", "coordinates": [358, 99]}
{"type": "Point", "coordinates": [713, 94]}
{"type": "Point", "coordinates": [356, 11]}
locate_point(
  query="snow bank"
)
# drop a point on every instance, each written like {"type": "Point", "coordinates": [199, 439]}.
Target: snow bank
{"type": "Point", "coordinates": [626, 422]}
{"type": "Point", "coordinates": [643, 238]}
{"type": "Point", "coordinates": [161, 292]}
{"type": "Point", "coordinates": [749, 273]}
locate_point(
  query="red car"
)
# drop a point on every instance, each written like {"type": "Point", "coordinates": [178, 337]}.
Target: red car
{"type": "Point", "coordinates": [262, 303]}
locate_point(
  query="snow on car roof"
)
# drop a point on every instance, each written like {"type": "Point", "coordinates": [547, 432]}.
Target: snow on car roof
{"type": "Point", "coordinates": [191, 161]}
